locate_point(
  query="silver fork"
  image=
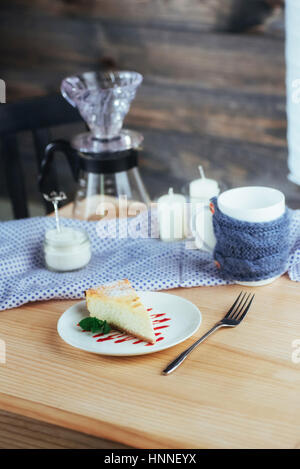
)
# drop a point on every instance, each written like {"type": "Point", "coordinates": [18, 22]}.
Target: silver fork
{"type": "Point", "coordinates": [233, 318]}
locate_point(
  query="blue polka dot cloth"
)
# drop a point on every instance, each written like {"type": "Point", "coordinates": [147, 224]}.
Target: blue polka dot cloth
{"type": "Point", "coordinates": [120, 249]}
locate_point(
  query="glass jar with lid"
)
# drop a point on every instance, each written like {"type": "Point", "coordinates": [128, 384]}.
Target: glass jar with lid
{"type": "Point", "coordinates": [66, 250]}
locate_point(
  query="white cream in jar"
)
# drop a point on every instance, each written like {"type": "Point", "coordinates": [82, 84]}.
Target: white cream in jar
{"type": "Point", "coordinates": [66, 249]}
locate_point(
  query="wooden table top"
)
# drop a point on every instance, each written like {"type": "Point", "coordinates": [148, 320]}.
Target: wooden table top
{"type": "Point", "coordinates": [239, 389]}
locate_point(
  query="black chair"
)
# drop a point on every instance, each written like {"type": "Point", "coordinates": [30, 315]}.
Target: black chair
{"type": "Point", "coordinates": [36, 115]}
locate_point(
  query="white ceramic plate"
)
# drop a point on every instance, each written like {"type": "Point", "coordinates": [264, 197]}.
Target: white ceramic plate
{"type": "Point", "coordinates": [174, 320]}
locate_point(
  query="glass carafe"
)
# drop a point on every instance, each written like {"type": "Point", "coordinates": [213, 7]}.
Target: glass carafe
{"type": "Point", "coordinates": [111, 195]}
{"type": "Point", "coordinates": [104, 161]}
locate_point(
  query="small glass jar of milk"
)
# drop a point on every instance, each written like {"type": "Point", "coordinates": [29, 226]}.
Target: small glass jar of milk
{"type": "Point", "coordinates": [65, 248]}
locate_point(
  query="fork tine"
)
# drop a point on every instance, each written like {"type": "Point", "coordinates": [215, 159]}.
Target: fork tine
{"type": "Point", "coordinates": [241, 306]}
{"type": "Point", "coordinates": [233, 306]}
{"type": "Point", "coordinates": [238, 308]}
{"type": "Point", "coordinates": [246, 309]}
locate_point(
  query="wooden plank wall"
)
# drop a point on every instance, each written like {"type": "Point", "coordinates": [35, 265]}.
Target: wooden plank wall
{"type": "Point", "coordinates": [214, 88]}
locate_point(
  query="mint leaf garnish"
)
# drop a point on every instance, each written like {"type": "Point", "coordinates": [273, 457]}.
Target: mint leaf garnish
{"type": "Point", "coordinates": [106, 327]}
{"type": "Point", "coordinates": [94, 325]}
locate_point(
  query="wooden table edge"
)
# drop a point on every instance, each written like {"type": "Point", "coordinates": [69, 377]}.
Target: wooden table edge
{"type": "Point", "coordinates": [92, 427]}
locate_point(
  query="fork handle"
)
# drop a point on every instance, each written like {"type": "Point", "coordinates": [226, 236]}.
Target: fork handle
{"type": "Point", "coordinates": [178, 360]}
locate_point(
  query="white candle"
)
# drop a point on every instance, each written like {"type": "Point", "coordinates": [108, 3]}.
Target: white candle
{"type": "Point", "coordinates": [67, 249]}
{"type": "Point", "coordinates": [172, 216]}
{"type": "Point", "coordinates": [201, 191]}
{"type": "Point", "coordinates": [204, 188]}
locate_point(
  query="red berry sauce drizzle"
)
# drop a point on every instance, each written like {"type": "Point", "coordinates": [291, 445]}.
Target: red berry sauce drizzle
{"type": "Point", "coordinates": [158, 321]}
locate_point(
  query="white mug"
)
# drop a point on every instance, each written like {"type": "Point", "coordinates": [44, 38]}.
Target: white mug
{"type": "Point", "coordinates": [253, 204]}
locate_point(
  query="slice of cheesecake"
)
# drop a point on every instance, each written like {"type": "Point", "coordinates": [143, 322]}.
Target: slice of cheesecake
{"type": "Point", "coordinates": [119, 305]}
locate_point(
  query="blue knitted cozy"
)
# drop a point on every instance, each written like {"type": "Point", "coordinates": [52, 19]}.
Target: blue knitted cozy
{"type": "Point", "coordinates": [250, 251]}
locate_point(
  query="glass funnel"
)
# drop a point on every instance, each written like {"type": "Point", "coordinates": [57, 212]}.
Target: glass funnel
{"type": "Point", "coordinates": [103, 99]}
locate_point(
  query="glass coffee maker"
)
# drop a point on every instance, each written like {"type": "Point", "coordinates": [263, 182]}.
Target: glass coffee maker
{"type": "Point", "coordinates": [103, 161]}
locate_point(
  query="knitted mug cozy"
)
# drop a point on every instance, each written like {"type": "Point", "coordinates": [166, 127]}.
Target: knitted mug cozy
{"type": "Point", "coordinates": [248, 251]}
